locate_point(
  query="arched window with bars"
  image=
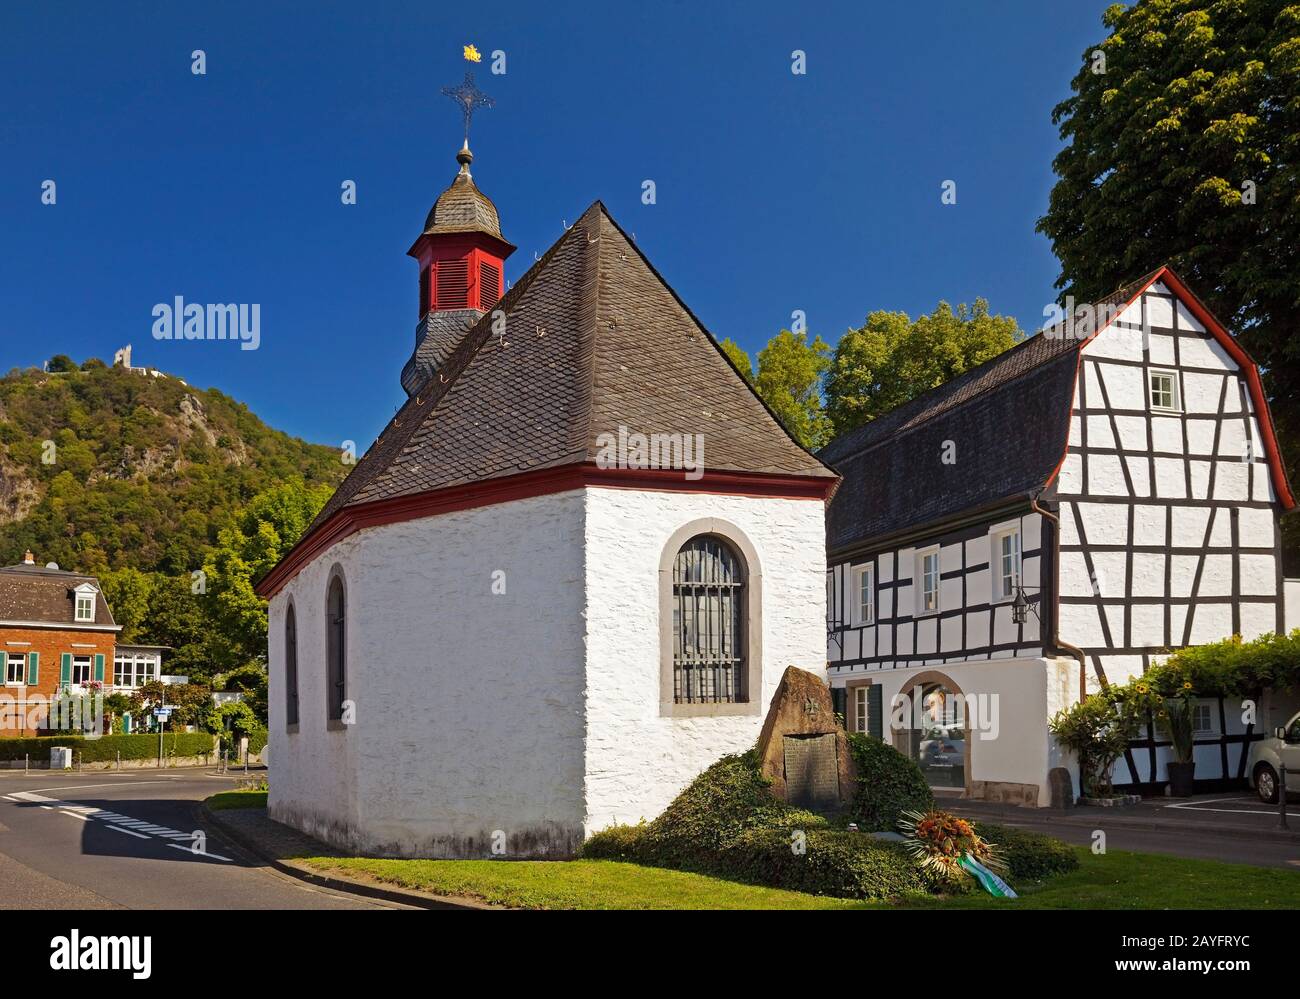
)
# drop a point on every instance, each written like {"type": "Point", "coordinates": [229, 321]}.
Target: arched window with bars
{"type": "Point", "coordinates": [336, 649]}
{"type": "Point", "coordinates": [291, 668]}
{"type": "Point", "coordinates": [709, 629]}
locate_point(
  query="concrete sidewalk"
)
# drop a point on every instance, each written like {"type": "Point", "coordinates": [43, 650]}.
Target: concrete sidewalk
{"type": "Point", "coordinates": [280, 847]}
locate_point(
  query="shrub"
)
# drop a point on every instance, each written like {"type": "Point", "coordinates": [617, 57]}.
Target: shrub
{"type": "Point", "coordinates": [888, 784]}
{"type": "Point", "coordinates": [106, 748]}
{"type": "Point", "coordinates": [724, 801]}
{"type": "Point", "coordinates": [1029, 855]}
{"type": "Point", "coordinates": [1097, 730]}
{"type": "Point", "coordinates": [615, 843]}
{"type": "Point", "coordinates": [833, 862]}
{"type": "Point", "coordinates": [727, 823]}
{"type": "Point", "coordinates": [257, 740]}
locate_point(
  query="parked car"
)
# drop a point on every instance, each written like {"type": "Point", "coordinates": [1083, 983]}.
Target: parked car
{"type": "Point", "coordinates": [1268, 756]}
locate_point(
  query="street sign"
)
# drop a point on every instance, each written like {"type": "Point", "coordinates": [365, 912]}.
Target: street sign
{"type": "Point", "coordinates": [162, 714]}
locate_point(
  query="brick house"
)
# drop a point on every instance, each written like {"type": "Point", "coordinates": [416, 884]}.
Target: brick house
{"type": "Point", "coordinates": [56, 630]}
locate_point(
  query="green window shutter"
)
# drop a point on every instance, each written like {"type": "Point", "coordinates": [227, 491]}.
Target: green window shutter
{"type": "Point", "coordinates": [65, 668]}
{"type": "Point", "coordinates": [99, 667]}
{"type": "Point", "coordinates": [33, 668]}
{"type": "Point", "coordinates": [839, 705]}
{"type": "Point", "coordinates": [875, 713]}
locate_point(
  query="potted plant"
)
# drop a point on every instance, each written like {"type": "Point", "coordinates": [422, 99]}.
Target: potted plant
{"type": "Point", "coordinates": [1098, 729]}
{"type": "Point", "coordinates": [1178, 719]}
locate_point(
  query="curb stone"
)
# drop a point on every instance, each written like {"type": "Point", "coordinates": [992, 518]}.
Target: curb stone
{"type": "Point", "coordinates": [301, 872]}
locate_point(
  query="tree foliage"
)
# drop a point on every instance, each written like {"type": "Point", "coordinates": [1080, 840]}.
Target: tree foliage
{"type": "Point", "coordinates": [739, 358]}
{"type": "Point", "coordinates": [105, 469]}
{"type": "Point", "coordinates": [789, 379]}
{"type": "Point", "coordinates": [891, 359]}
{"type": "Point", "coordinates": [1186, 150]}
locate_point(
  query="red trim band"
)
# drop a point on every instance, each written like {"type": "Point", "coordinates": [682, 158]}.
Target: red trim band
{"type": "Point", "coordinates": [351, 519]}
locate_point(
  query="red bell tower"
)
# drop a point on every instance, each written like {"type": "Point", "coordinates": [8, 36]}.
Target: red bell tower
{"type": "Point", "coordinates": [462, 255]}
{"type": "Point", "coordinates": [461, 251]}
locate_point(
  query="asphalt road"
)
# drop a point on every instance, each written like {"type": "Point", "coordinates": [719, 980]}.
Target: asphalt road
{"type": "Point", "coordinates": [1179, 833]}
{"type": "Point", "coordinates": [109, 841]}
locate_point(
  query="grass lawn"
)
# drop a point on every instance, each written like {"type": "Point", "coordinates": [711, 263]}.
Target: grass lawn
{"type": "Point", "coordinates": [245, 798]}
{"type": "Point", "coordinates": [1118, 880]}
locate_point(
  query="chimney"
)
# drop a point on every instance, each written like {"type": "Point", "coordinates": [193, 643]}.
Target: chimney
{"type": "Point", "coordinates": [29, 558]}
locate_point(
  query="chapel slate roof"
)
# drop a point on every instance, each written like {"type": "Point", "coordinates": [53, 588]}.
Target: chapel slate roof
{"type": "Point", "coordinates": [462, 207]}
{"type": "Point", "coordinates": [440, 333]}
{"type": "Point", "coordinates": [1008, 420]}
{"type": "Point", "coordinates": [595, 340]}
{"type": "Point", "coordinates": [35, 593]}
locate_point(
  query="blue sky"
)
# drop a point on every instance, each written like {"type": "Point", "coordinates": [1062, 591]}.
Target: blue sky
{"type": "Point", "coordinates": [775, 191]}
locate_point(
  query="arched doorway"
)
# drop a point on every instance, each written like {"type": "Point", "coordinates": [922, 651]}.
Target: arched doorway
{"type": "Point", "coordinates": [931, 726]}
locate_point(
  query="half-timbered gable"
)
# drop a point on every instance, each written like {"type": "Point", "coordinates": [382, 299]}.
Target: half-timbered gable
{"type": "Point", "coordinates": [1102, 493]}
{"type": "Point", "coordinates": [1170, 491]}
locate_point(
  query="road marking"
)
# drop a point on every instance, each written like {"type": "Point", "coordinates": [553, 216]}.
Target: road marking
{"type": "Point", "coordinates": [128, 832]}
{"type": "Point", "coordinates": [80, 787]}
{"type": "Point", "coordinates": [188, 849]}
{"type": "Point", "coordinates": [1199, 806]}
{"type": "Point", "coordinates": [113, 820]}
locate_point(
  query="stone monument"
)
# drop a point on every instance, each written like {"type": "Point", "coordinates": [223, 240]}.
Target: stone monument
{"type": "Point", "coordinates": [803, 750]}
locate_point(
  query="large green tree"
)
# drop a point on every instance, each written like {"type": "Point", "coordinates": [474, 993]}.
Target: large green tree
{"type": "Point", "coordinates": [262, 534]}
{"type": "Point", "coordinates": [1183, 147]}
{"type": "Point", "coordinates": [891, 359]}
{"type": "Point", "coordinates": [789, 378]}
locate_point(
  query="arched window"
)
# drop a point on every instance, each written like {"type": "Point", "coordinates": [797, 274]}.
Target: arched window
{"type": "Point", "coordinates": [708, 601]}
{"type": "Point", "coordinates": [336, 649]}
{"type": "Point", "coordinates": [290, 668]}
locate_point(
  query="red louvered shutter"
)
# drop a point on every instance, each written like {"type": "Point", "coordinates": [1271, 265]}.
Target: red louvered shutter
{"type": "Point", "coordinates": [489, 286]}
{"type": "Point", "coordinates": [424, 292]}
{"type": "Point", "coordinates": [453, 284]}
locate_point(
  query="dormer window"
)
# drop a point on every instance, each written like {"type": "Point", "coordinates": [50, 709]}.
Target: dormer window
{"type": "Point", "coordinates": [85, 604]}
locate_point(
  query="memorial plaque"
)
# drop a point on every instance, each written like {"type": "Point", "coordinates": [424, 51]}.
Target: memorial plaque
{"type": "Point", "coordinates": [812, 777]}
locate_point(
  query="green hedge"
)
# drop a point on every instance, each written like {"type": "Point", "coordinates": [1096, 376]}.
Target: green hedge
{"type": "Point", "coordinates": [1029, 855]}
{"type": "Point", "coordinates": [727, 823]}
{"type": "Point", "coordinates": [889, 784]}
{"type": "Point", "coordinates": [142, 746]}
{"type": "Point", "coordinates": [257, 739]}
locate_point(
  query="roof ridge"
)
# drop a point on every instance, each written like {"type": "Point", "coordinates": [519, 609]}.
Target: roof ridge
{"type": "Point", "coordinates": [590, 325]}
{"type": "Point", "coordinates": [1121, 293]}
{"type": "Point", "coordinates": [919, 401]}
{"type": "Point", "coordinates": [708, 335]}
{"type": "Point", "coordinates": [456, 363]}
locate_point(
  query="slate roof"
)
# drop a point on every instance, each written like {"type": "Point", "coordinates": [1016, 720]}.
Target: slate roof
{"type": "Point", "coordinates": [35, 593]}
{"type": "Point", "coordinates": [595, 340]}
{"type": "Point", "coordinates": [1008, 419]}
{"type": "Point", "coordinates": [462, 207]}
{"type": "Point", "coordinates": [440, 334]}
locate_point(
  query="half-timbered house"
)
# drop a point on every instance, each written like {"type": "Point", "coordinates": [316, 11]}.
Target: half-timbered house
{"type": "Point", "coordinates": [1102, 493]}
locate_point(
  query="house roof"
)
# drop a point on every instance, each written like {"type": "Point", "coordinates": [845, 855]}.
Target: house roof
{"type": "Point", "coordinates": [594, 341]}
{"type": "Point", "coordinates": [39, 595]}
{"type": "Point", "coordinates": [1008, 420]}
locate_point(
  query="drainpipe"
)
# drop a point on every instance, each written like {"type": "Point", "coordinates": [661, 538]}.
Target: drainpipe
{"type": "Point", "coordinates": [1055, 617]}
